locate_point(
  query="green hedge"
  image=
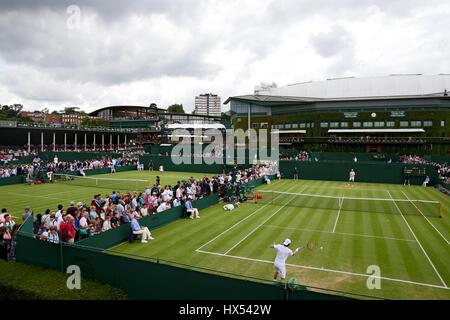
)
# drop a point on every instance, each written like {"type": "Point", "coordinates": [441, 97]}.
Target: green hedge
{"type": "Point", "coordinates": [22, 281]}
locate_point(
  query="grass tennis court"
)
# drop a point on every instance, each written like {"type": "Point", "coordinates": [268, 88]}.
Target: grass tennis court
{"type": "Point", "coordinates": [412, 250]}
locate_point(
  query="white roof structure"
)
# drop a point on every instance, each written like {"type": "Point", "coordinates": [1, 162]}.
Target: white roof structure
{"type": "Point", "coordinates": [376, 130]}
{"type": "Point", "coordinates": [288, 131]}
{"type": "Point", "coordinates": [196, 126]}
{"type": "Point", "coordinates": [383, 86]}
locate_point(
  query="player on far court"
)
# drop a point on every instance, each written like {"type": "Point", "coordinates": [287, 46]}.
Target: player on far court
{"type": "Point", "coordinates": [352, 177]}
{"type": "Point", "coordinates": [283, 252]}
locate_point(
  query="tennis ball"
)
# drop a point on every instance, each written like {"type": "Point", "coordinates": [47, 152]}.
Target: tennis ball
{"type": "Point", "coordinates": [321, 248]}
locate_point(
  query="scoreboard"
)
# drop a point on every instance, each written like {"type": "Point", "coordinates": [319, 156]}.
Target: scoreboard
{"type": "Point", "coordinates": [415, 171]}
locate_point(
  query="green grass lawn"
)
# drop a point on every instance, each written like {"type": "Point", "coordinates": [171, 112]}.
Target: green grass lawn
{"type": "Point", "coordinates": [412, 251]}
{"type": "Point", "coordinates": [20, 281]}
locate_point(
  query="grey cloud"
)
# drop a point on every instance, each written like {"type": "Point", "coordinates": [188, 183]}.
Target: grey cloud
{"type": "Point", "coordinates": [333, 42]}
{"type": "Point", "coordinates": [107, 53]}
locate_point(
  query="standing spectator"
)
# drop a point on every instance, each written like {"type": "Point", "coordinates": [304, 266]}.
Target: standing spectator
{"type": "Point", "coordinates": [26, 214]}
{"type": "Point", "coordinates": [84, 226]}
{"type": "Point", "coordinates": [53, 235]}
{"type": "Point", "coordinates": [68, 233]}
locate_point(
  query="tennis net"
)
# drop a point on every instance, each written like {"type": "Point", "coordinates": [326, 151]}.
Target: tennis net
{"type": "Point", "coordinates": [107, 183]}
{"type": "Point", "coordinates": [379, 205]}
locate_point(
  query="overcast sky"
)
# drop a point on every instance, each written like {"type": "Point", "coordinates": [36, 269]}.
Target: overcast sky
{"type": "Point", "coordinates": [168, 51]}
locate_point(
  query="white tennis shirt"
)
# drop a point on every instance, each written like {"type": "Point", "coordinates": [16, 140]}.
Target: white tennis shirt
{"type": "Point", "coordinates": [283, 253]}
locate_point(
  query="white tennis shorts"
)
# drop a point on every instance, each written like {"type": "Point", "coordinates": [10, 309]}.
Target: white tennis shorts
{"type": "Point", "coordinates": [352, 179]}
{"type": "Point", "coordinates": [280, 269]}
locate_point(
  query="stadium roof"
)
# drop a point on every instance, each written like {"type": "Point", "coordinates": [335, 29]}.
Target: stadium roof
{"type": "Point", "coordinates": [152, 107]}
{"type": "Point", "coordinates": [352, 87]}
{"type": "Point", "coordinates": [274, 100]}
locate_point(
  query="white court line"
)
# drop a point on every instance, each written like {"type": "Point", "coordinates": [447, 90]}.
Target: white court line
{"type": "Point", "coordinates": [251, 232]}
{"type": "Point", "coordinates": [427, 220]}
{"type": "Point", "coordinates": [349, 188]}
{"type": "Point", "coordinates": [341, 202]}
{"type": "Point", "coordinates": [421, 247]}
{"type": "Point", "coordinates": [239, 222]}
{"type": "Point", "coordinates": [327, 270]}
{"type": "Point", "coordinates": [341, 233]}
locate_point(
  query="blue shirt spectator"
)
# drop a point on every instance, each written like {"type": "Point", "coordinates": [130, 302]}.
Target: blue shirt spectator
{"type": "Point", "coordinates": [135, 225]}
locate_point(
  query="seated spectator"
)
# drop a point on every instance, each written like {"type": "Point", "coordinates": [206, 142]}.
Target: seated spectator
{"type": "Point", "coordinates": [190, 209]}
{"type": "Point", "coordinates": [163, 206]}
{"type": "Point", "coordinates": [115, 220]}
{"type": "Point", "coordinates": [106, 224]}
{"type": "Point", "coordinates": [142, 231]}
{"type": "Point", "coordinates": [176, 203]}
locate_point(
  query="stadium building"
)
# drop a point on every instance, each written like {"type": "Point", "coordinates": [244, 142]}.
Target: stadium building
{"type": "Point", "coordinates": [396, 113]}
{"type": "Point", "coordinates": [154, 126]}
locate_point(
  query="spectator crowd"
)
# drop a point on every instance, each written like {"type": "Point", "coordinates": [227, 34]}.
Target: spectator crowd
{"type": "Point", "coordinates": [443, 169]}
{"type": "Point", "coordinates": [80, 220]}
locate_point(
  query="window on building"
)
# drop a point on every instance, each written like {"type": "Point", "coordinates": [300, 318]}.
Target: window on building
{"type": "Point", "coordinates": [334, 124]}
{"type": "Point", "coordinates": [416, 124]}
{"type": "Point", "coordinates": [255, 125]}
{"type": "Point", "coordinates": [379, 124]}
{"type": "Point", "coordinates": [288, 126]}
{"type": "Point", "coordinates": [356, 124]}
{"type": "Point", "coordinates": [442, 123]}
{"type": "Point", "coordinates": [303, 125]}
{"type": "Point", "coordinates": [404, 123]}
{"type": "Point", "coordinates": [368, 124]}
{"type": "Point", "coordinates": [428, 123]}
{"type": "Point", "coordinates": [324, 124]}
{"type": "Point", "coordinates": [294, 125]}
{"type": "Point", "coordinates": [390, 124]}
{"type": "Point", "coordinates": [344, 124]}
{"type": "Point", "coordinates": [308, 125]}
{"type": "Point", "coordinates": [312, 124]}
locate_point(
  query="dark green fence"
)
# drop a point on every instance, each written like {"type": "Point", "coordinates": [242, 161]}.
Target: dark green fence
{"type": "Point", "coordinates": [350, 156]}
{"type": "Point", "coordinates": [150, 278]}
{"type": "Point", "coordinates": [365, 172]}
{"type": "Point", "coordinates": [11, 180]}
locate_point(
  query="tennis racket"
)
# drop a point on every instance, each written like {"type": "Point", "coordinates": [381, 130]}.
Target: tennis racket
{"type": "Point", "coordinates": [312, 245]}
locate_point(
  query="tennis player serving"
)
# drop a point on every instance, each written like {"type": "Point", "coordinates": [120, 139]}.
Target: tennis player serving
{"type": "Point", "coordinates": [283, 252]}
